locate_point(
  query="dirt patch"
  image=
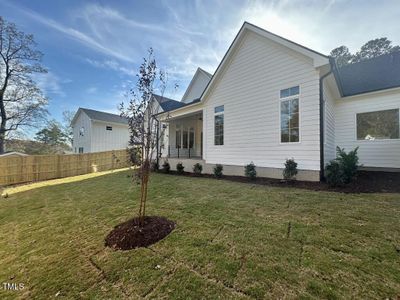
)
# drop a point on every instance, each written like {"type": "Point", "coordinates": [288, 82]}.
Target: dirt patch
{"type": "Point", "coordinates": [130, 235]}
{"type": "Point", "coordinates": [366, 182]}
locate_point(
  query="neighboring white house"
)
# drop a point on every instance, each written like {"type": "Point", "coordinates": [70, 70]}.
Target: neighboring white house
{"type": "Point", "coordinates": [271, 99]}
{"type": "Point", "coordinates": [96, 131]}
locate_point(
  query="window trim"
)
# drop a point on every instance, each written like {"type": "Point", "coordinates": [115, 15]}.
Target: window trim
{"type": "Point", "coordinates": [376, 140]}
{"type": "Point", "coordinates": [298, 96]}
{"type": "Point", "coordinates": [223, 131]}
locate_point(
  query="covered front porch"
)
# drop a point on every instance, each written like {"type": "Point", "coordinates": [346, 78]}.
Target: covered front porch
{"type": "Point", "coordinates": [183, 136]}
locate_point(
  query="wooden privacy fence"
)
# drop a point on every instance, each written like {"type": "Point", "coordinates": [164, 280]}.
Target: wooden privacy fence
{"type": "Point", "coordinates": [19, 169]}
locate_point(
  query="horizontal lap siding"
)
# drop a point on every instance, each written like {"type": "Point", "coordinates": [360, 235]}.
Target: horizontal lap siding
{"type": "Point", "coordinates": [384, 153]}
{"type": "Point", "coordinates": [329, 123]}
{"type": "Point", "coordinates": [249, 90]}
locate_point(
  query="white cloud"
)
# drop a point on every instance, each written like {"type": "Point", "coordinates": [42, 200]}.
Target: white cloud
{"type": "Point", "coordinates": [50, 83]}
{"type": "Point", "coordinates": [112, 65]}
{"type": "Point", "coordinates": [91, 90]}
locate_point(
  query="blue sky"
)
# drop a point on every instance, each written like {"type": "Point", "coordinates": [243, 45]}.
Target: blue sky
{"type": "Point", "coordinates": [92, 48]}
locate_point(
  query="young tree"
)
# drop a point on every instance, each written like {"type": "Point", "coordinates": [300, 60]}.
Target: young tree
{"type": "Point", "coordinates": [143, 126]}
{"type": "Point", "coordinates": [22, 103]}
{"type": "Point", "coordinates": [52, 134]}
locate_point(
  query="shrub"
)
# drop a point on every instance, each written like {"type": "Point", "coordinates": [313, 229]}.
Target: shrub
{"type": "Point", "coordinates": [334, 173]}
{"type": "Point", "coordinates": [218, 170]}
{"type": "Point", "coordinates": [250, 171]}
{"type": "Point", "coordinates": [179, 168]}
{"type": "Point", "coordinates": [197, 168]}
{"type": "Point", "coordinates": [166, 167]}
{"type": "Point", "coordinates": [154, 166]}
{"type": "Point", "coordinates": [348, 163]}
{"type": "Point", "coordinates": [290, 170]}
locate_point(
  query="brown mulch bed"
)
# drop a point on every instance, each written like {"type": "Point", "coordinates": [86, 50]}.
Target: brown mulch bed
{"type": "Point", "coordinates": [366, 182]}
{"type": "Point", "coordinates": [130, 235]}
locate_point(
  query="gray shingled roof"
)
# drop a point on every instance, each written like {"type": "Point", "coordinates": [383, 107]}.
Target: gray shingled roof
{"type": "Point", "coordinates": [375, 74]}
{"type": "Point", "coordinates": [103, 116]}
{"type": "Point", "coordinates": [168, 104]}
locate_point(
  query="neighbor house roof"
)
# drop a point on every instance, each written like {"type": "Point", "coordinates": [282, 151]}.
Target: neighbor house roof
{"type": "Point", "coordinates": [102, 116]}
{"type": "Point", "coordinates": [168, 104]}
{"type": "Point", "coordinates": [375, 74]}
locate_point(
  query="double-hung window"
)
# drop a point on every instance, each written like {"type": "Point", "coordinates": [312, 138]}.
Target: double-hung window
{"type": "Point", "coordinates": [178, 137]}
{"type": "Point", "coordinates": [219, 125]}
{"type": "Point", "coordinates": [289, 115]}
{"type": "Point", "coordinates": [378, 125]}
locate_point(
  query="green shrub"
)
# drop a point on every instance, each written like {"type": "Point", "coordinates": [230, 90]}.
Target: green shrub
{"type": "Point", "coordinates": [218, 170]}
{"type": "Point", "coordinates": [166, 167]}
{"type": "Point", "coordinates": [290, 170]}
{"type": "Point", "coordinates": [197, 168]}
{"type": "Point", "coordinates": [348, 163]}
{"type": "Point", "coordinates": [179, 168]}
{"type": "Point", "coordinates": [334, 173]}
{"type": "Point", "coordinates": [250, 171]}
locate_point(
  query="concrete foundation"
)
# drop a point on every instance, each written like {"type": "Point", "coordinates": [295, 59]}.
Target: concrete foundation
{"type": "Point", "coordinates": [304, 175]}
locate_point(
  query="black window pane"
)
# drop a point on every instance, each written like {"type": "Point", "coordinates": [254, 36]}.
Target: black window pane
{"type": "Point", "coordinates": [285, 135]}
{"type": "Point", "coordinates": [219, 109]}
{"type": "Point", "coordinates": [178, 139]}
{"type": "Point", "coordinates": [191, 138]}
{"type": "Point", "coordinates": [285, 93]}
{"type": "Point", "coordinates": [294, 135]}
{"type": "Point", "coordinates": [294, 90]}
{"type": "Point", "coordinates": [185, 139]}
{"type": "Point", "coordinates": [378, 125]}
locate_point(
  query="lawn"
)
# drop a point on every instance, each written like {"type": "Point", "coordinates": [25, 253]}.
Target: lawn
{"type": "Point", "coordinates": [233, 240]}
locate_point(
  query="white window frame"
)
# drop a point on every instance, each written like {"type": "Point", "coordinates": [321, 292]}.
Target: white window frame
{"type": "Point", "coordinates": [223, 132]}
{"type": "Point", "coordinates": [376, 140]}
{"type": "Point", "coordinates": [297, 96]}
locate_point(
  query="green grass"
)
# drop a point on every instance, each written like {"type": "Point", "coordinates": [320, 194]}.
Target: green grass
{"type": "Point", "coordinates": [232, 241]}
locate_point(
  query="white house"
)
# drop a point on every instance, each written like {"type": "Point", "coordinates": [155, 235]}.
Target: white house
{"type": "Point", "coordinates": [271, 99]}
{"type": "Point", "coordinates": [96, 131]}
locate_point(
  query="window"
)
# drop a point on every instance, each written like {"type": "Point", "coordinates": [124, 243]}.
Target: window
{"type": "Point", "coordinates": [219, 125]}
{"type": "Point", "coordinates": [289, 114]}
{"type": "Point", "coordinates": [191, 138]}
{"type": "Point", "coordinates": [82, 131]}
{"type": "Point", "coordinates": [185, 138]}
{"type": "Point", "coordinates": [80, 149]}
{"type": "Point", "coordinates": [178, 137]}
{"type": "Point", "coordinates": [109, 128]}
{"type": "Point", "coordinates": [378, 125]}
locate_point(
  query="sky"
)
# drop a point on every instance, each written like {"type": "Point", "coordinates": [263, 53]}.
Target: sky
{"type": "Point", "coordinates": [92, 49]}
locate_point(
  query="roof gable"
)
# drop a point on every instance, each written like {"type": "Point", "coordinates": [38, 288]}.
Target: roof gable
{"type": "Point", "coordinates": [197, 85]}
{"type": "Point", "coordinates": [318, 59]}
{"type": "Point", "coordinates": [101, 116]}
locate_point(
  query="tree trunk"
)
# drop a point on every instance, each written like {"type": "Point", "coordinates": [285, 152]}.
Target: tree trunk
{"type": "Point", "coordinates": [2, 142]}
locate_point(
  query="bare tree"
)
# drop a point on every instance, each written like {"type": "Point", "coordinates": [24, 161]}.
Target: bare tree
{"type": "Point", "coordinates": [68, 116]}
{"type": "Point", "coordinates": [22, 103]}
{"type": "Point", "coordinates": [143, 125]}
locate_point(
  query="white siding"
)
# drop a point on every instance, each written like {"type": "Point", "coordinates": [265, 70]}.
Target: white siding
{"type": "Point", "coordinates": [378, 153]}
{"type": "Point", "coordinates": [197, 86]}
{"type": "Point", "coordinates": [329, 125]}
{"type": "Point", "coordinates": [82, 141]}
{"type": "Point", "coordinates": [106, 140]}
{"type": "Point", "coordinates": [249, 90]}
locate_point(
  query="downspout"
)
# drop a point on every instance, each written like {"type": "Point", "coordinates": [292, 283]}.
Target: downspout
{"type": "Point", "coordinates": [322, 122]}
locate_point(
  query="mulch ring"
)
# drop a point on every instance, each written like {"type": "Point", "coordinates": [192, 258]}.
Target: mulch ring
{"type": "Point", "coordinates": [366, 182]}
{"type": "Point", "coordinates": [130, 235]}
